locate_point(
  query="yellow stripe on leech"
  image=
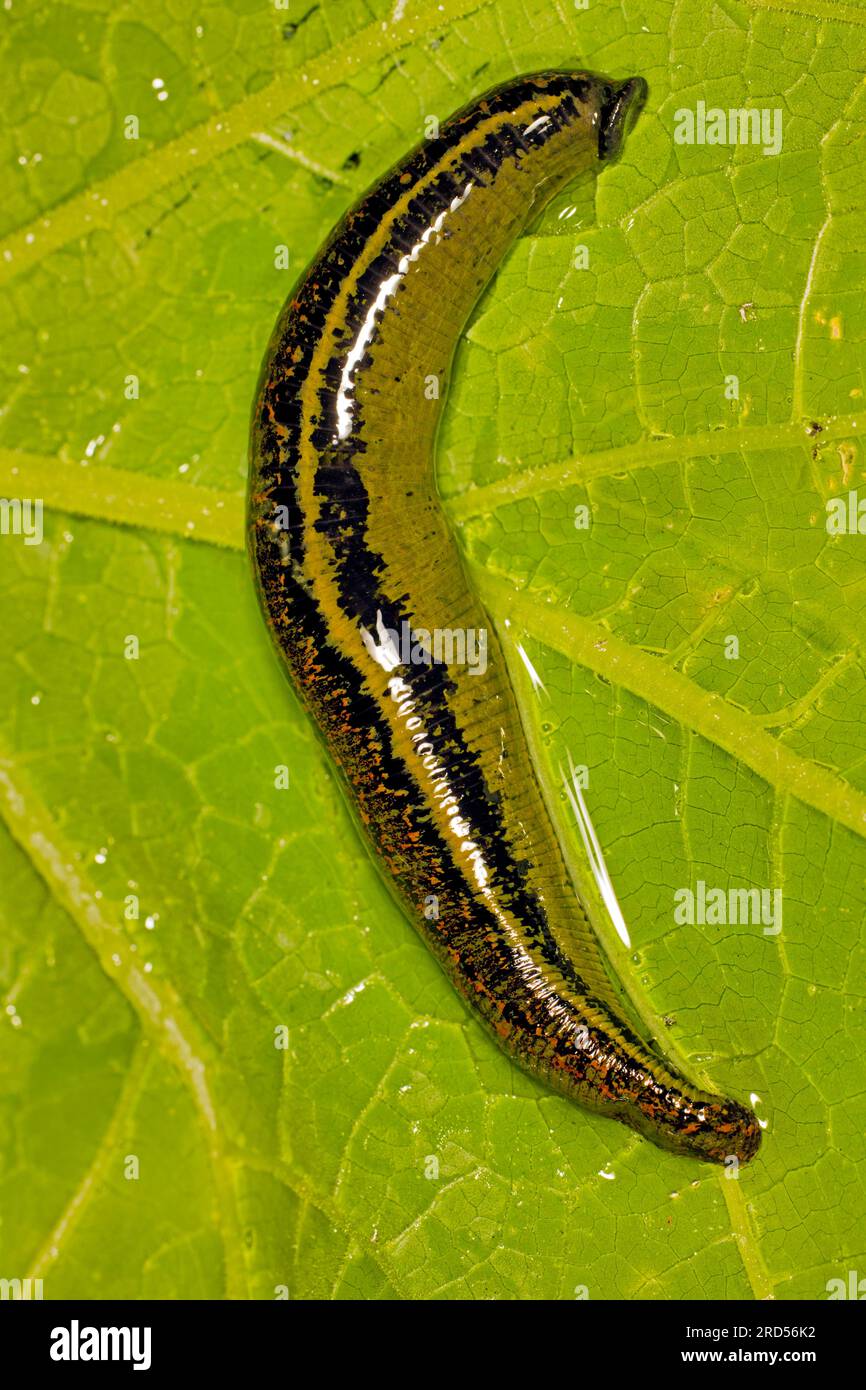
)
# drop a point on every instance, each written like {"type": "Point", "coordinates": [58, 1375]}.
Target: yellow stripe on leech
{"type": "Point", "coordinates": [335, 321]}
{"type": "Point", "coordinates": [343, 632]}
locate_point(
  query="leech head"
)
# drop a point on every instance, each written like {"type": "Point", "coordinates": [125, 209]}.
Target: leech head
{"type": "Point", "coordinates": [621, 105]}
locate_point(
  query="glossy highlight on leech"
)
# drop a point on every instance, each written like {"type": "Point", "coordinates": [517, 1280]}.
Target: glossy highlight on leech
{"type": "Point", "coordinates": [349, 544]}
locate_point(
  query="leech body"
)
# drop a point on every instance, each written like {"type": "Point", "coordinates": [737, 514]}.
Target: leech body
{"type": "Point", "coordinates": [350, 544]}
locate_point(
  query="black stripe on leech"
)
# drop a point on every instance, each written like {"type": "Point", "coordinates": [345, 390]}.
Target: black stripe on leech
{"type": "Point", "coordinates": [342, 675]}
{"type": "Point", "coordinates": [339, 674]}
{"type": "Point", "coordinates": [351, 236]}
{"type": "Point", "coordinates": [314, 297]}
{"type": "Point", "coordinates": [464, 772]}
{"type": "Point", "coordinates": [343, 518]}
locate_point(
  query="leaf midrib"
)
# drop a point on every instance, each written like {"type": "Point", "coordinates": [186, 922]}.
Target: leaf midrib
{"type": "Point", "coordinates": [205, 514]}
{"type": "Point", "coordinates": [99, 205]}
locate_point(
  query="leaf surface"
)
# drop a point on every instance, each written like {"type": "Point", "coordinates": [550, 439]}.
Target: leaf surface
{"type": "Point", "coordinates": [153, 1139]}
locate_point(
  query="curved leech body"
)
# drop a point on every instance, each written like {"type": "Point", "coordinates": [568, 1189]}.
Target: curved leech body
{"type": "Point", "coordinates": [356, 567]}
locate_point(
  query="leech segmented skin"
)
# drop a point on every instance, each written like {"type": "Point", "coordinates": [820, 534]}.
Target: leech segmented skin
{"type": "Point", "coordinates": [349, 544]}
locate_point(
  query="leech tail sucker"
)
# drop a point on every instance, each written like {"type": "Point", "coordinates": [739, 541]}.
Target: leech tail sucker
{"type": "Point", "coordinates": [388, 647]}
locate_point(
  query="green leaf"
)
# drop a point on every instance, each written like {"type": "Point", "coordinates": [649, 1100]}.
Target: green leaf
{"type": "Point", "coordinates": [153, 1139]}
